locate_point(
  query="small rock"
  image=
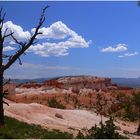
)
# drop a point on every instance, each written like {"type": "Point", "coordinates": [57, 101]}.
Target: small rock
{"type": "Point", "coordinates": [125, 132]}
{"type": "Point", "coordinates": [59, 116]}
{"type": "Point", "coordinates": [123, 124]}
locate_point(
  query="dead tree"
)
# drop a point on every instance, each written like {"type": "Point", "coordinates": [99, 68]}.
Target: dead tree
{"type": "Point", "coordinates": [100, 105]}
{"type": "Point", "coordinates": [7, 60]}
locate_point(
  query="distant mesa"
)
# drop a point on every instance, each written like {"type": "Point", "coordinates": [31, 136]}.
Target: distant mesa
{"type": "Point", "coordinates": [66, 84]}
{"type": "Point", "coordinates": [79, 82]}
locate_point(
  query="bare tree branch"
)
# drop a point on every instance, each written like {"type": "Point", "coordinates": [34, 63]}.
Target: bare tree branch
{"type": "Point", "coordinates": [16, 41]}
{"type": "Point", "coordinates": [5, 92]}
{"type": "Point", "coordinates": [7, 82]}
{"type": "Point", "coordinates": [2, 16]}
{"type": "Point", "coordinates": [5, 56]}
{"type": "Point", "coordinates": [10, 34]}
{"type": "Point", "coordinates": [19, 61]}
{"type": "Point", "coordinates": [5, 103]}
{"type": "Point", "coordinates": [5, 31]}
{"type": "Point", "coordinates": [27, 45]}
{"type": "Point", "coordinates": [7, 35]}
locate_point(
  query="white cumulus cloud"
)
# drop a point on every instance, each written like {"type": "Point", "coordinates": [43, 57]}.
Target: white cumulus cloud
{"type": "Point", "coordinates": [118, 48]}
{"type": "Point", "coordinates": [58, 30]}
{"type": "Point", "coordinates": [19, 33]}
{"type": "Point", "coordinates": [128, 54]}
{"type": "Point", "coordinates": [55, 40]}
{"type": "Point", "coordinates": [8, 48]}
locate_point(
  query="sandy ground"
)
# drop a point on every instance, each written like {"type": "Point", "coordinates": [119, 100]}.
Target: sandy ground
{"type": "Point", "coordinates": [45, 116]}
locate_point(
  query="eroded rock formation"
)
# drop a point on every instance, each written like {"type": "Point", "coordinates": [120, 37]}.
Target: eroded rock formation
{"type": "Point", "coordinates": [80, 82]}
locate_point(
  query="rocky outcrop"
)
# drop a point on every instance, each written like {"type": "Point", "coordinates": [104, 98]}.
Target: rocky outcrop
{"type": "Point", "coordinates": [77, 92]}
{"type": "Point", "coordinates": [64, 120]}
{"type": "Point", "coordinates": [10, 88]}
{"type": "Point", "coordinates": [72, 84]}
{"type": "Point", "coordinates": [31, 85]}
{"type": "Point", "coordinates": [79, 82]}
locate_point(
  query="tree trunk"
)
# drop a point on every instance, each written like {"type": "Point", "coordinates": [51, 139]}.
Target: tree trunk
{"type": "Point", "coordinates": [1, 84]}
{"type": "Point", "coordinates": [1, 100]}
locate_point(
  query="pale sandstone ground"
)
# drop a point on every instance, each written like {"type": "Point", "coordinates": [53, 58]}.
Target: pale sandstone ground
{"type": "Point", "coordinates": [45, 116]}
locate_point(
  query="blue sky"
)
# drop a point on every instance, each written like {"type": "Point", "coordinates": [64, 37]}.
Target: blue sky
{"type": "Point", "coordinates": [107, 36]}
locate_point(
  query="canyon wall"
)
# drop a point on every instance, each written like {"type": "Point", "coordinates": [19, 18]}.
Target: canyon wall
{"type": "Point", "coordinates": [79, 82]}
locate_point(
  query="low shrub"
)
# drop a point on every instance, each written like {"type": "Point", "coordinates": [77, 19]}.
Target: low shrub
{"type": "Point", "coordinates": [55, 104]}
{"type": "Point", "coordinates": [104, 131]}
{"type": "Point", "coordinates": [14, 129]}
